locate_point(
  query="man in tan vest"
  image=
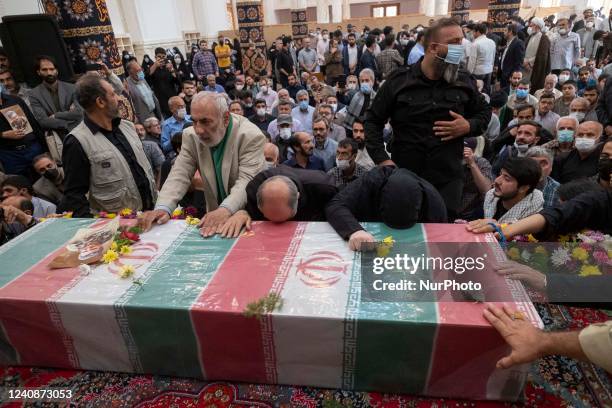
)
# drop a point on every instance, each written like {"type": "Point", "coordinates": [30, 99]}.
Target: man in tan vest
{"type": "Point", "coordinates": [103, 156]}
{"type": "Point", "coordinates": [227, 150]}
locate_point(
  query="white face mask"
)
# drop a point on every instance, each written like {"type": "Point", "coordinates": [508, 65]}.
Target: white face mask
{"type": "Point", "coordinates": [334, 107]}
{"type": "Point", "coordinates": [343, 164]}
{"type": "Point", "coordinates": [578, 115]}
{"type": "Point", "coordinates": [351, 86]}
{"type": "Point", "coordinates": [181, 112]}
{"type": "Point", "coordinates": [589, 24]}
{"type": "Point", "coordinates": [563, 78]}
{"type": "Point", "coordinates": [261, 112]}
{"type": "Point", "coordinates": [264, 89]}
{"type": "Point", "coordinates": [522, 149]}
{"type": "Point", "coordinates": [269, 165]}
{"type": "Point", "coordinates": [239, 87]}
{"type": "Point", "coordinates": [284, 133]}
{"type": "Point", "coordinates": [562, 31]}
{"type": "Point", "coordinates": [584, 144]}
{"type": "Point", "coordinates": [530, 31]}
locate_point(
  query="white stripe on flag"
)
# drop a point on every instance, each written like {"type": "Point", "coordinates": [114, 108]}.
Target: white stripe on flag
{"type": "Point", "coordinates": [87, 309]}
{"type": "Point", "coordinates": [317, 285]}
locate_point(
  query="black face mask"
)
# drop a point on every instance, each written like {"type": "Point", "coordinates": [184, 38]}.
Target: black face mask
{"type": "Point", "coordinates": [51, 174]}
{"type": "Point", "coordinates": [604, 168]}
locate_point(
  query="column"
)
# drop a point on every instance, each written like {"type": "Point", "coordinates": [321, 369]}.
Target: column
{"type": "Point", "coordinates": [211, 17]}
{"type": "Point", "coordinates": [346, 10]}
{"type": "Point", "coordinates": [441, 7]}
{"type": "Point", "coordinates": [322, 12]}
{"type": "Point", "coordinates": [428, 8]}
{"type": "Point", "coordinates": [269, 10]}
{"type": "Point", "coordinates": [336, 16]}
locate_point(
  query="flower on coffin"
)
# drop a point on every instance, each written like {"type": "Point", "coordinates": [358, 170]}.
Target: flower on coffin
{"type": "Point", "coordinates": [514, 253]}
{"type": "Point", "coordinates": [125, 250]}
{"type": "Point", "coordinates": [67, 214]}
{"type": "Point", "coordinates": [177, 213]}
{"type": "Point", "coordinates": [560, 256]}
{"type": "Point", "coordinates": [384, 247]}
{"type": "Point", "coordinates": [126, 271]}
{"type": "Point", "coordinates": [114, 246]}
{"type": "Point", "coordinates": [110, 256]}
{"type": "Point", "coordinates": [111, 215]}
{"type": "Point", "coordinates": [601, 257]}
{"type": "Point", "coordinates": [589, 270]}
{"type": "Point", "coordinates": [541, 250]}
{"type": "Point", "coordinates": [126, 212]}
{"type": "Point", "coordinates": [192, 220]}
{"type": "Point", "coordinates": [580, 254]}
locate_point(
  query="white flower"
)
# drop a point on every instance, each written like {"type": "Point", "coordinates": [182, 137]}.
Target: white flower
{"type": "Point", "coordinates": [84, 269]}
{"type": "Point", "coordinates": [560, 256]}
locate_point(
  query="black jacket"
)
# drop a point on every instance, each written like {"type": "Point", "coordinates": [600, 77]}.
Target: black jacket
{"type": "Point", "coordinates": [591, 210]}
{"type": "Point", "coordinates": [514, 58]}
{"type": "Point", "coordinates": [365, 199]}
{"type": "Point", "coordinates": [413, 103]}
{"type": "Point", "coordinates": [604, 105]}
{"type": "Point", "coordinates": [315, 187]}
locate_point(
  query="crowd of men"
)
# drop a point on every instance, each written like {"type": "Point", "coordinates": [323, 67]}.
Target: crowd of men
{"type": "Point", "coordinates": [430, 124]}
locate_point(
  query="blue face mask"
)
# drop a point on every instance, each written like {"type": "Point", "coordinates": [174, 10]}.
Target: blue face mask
{"type": "Point", "coordinates": [365, 88]}
{"type": "Point", "coordinates": [565, 136]}
{"type": "Point", "coordinates": [303, 105]}
{"type": "Point", "coordinates": [141, 76]}
{"type": "Point", "coordinates": [455, 54]}
{"type": "Point", "coordinates": [522, 93]}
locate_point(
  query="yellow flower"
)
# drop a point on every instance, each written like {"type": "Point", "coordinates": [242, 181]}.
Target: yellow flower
{"type": "Point", "coordinates": [125, 212]}
{"type": "Point", "coordinates": [610, 253]}
{"type": "Point", "coordinates": [114, 246]}
{"type": "Point", "coordinates": [530, 238]}
{"type": "Point", "coordinates": [514, 253]}
{"type": "Point", "coordinates": [192, 220]}
{"type": "Point", "coordinates": [388, 240]}
{"type": "Point", "coordinates": [110, 256]}
{"type": "Point", "coordinates": [125, 249]}
{"type": "Point", "coordinates": [67, 215]}
{"type": "Point", "coordinates": [383, 250]}
{"type": "Point", "coordinates": [41, 220]}
{"type": "Point", "coordinates": [111, 215]}
{"type": "Point", "coordinates": [126, 271]}
{"type": "Point", "coordinates": [564, 238]}
{"type": "Point", "coordinates": [589, 270]}
{"type": "Point", "coordinates": [177, 212]}
{"type": "Point", "coordinates": [580, 254]}
{"type": "Point", "coordinates": [540, 250]}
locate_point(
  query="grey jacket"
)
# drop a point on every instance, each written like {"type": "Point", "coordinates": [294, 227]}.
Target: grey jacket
{"type": "Point", "coordinates": [141, 110]}
{"type": "Point", "coordinates": [64, 119]}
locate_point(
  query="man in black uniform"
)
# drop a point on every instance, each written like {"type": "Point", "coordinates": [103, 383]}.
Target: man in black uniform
{"type": "Point", "coordinates": [432, 106]}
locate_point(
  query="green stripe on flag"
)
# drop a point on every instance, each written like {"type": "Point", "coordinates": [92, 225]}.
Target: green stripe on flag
{"type": "Point", "coordinates": [158, 312]}
{"type": "Point", "coordinates": [394, 340]}
{"type": "Point", "coordinates": [31, 247]}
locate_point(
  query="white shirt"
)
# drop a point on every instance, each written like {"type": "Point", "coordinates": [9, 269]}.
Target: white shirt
{"type": "Point", "coordinates": [352, 54]}
{"type": "Point", "coordinates": [485, 55]}
{"type": "Point", "coordinates": [322, 47]}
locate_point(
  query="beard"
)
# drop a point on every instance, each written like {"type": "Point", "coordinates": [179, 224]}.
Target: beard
{"type": "Point", "coordinates": [50, 79]}
{"type": "Point", "coordinates": [447, 71]}
{"type": "Point", "coordinates": [502, 196]}
{"type": "Point", "coordinates": [215, 136]}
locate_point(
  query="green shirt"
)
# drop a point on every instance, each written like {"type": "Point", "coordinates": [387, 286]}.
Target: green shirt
{"type": "Point", "coordinates": [217, 156]}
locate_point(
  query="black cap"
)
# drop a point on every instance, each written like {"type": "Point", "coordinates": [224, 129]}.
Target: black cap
{"type": "Point", "coordinates": [498, 99]}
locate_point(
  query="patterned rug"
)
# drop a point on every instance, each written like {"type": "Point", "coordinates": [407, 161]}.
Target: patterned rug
{"type": "Point", "coordinates": [553, 382]}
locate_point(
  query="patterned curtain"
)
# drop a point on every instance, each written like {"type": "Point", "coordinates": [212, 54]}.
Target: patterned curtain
{"type": "Point", "coordinates": [251, 29]}
{"type": "Point", "coordinates": [299, 24]}
{"type": "Point", "coordinates": [87, 31]}
{"type": "Point", "coordinates": [461, 9]}
{"type": "Point", "coordinates": [500, 11]}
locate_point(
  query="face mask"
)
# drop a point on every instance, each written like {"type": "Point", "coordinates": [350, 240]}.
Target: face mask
{"type": "Point", "coordinates": [470, 37]}
{"type": "Point", "coordinates": [343, 164]}
{"type": "Point", "coordinates": [404, 41]}
{"type": "Point", "coordinates": [578, 115]}
{"type": "Point", "coordinates": [264, 89]}
{"type": "Point", "coordinates": [584, 145]}
{"type": "Point", "coordinates": [604, 167]}
{"type": "Point", "coordinates": [545, 29]}
{"type": "Point", "coordinates": [522, 93]}
{"type": "Point", "coordinates": [325, 37]}
{"type": "Point", "coordinates": [269, 165]}
{"type": "Point", "coordinates": [522, 148]}
{"type": "Point", "coordinates": [239, 87]}
{"type": "Point", "coordinates": [455, 54]}
{"type": "Point", "coordinates": [530, 31]}
{"type": "Point", "coordinates": [589, 24]}
{"type": "Point", "coordinates": [181, 112]}
{"type": "Point", "coordinates": [334, 107]}
{"type": "Point", "coordinates": [51, 174]}
{"type": "Point", "coordinates": [303, 105]}
{"type": "Point", "coordinates": [563, 78]}
{"type": "Point", "coordinates": [261, 112]}
{"type": "Point", "coordinates": [147, 59]}
{"type": "Point", "coordinates": [140, 76]}
{"type": "Point", "coordinates": [366, 88]}
{"type": "Point", "coordinates": [562, 31]}
{"type": "Point", "coordinates": [351, 86]}
{"type": "Point", "coordinates": [565, 136]}
{"type": "Point", "coordinates": [284, 133]}
{"type": "Point", "coordinates": [248, 105]}
{"type": "Point", "coordinates": [177, 61]}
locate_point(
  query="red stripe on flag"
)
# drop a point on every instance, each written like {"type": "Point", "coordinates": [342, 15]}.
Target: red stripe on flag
{"type": "Point", "coordinates": [232, 345]}
{"type": "Point", "coordinates": [32, 324]}
{"type": "Point", "coordinates": [466, 346]}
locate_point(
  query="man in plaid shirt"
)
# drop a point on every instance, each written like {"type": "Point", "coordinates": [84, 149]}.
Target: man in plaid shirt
{"type": "Point", "coordinates": [204, 63]}
{"type": "Point", "coordinates": [346, 169]}
{"type": "Point", "coordinates": [389, 59]}
{"type": "Point", "coordinates": [548, 186]}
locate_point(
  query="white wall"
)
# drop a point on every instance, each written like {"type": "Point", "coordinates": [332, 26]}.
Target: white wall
{"type": "Point", "coordinates": [16, 7]}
